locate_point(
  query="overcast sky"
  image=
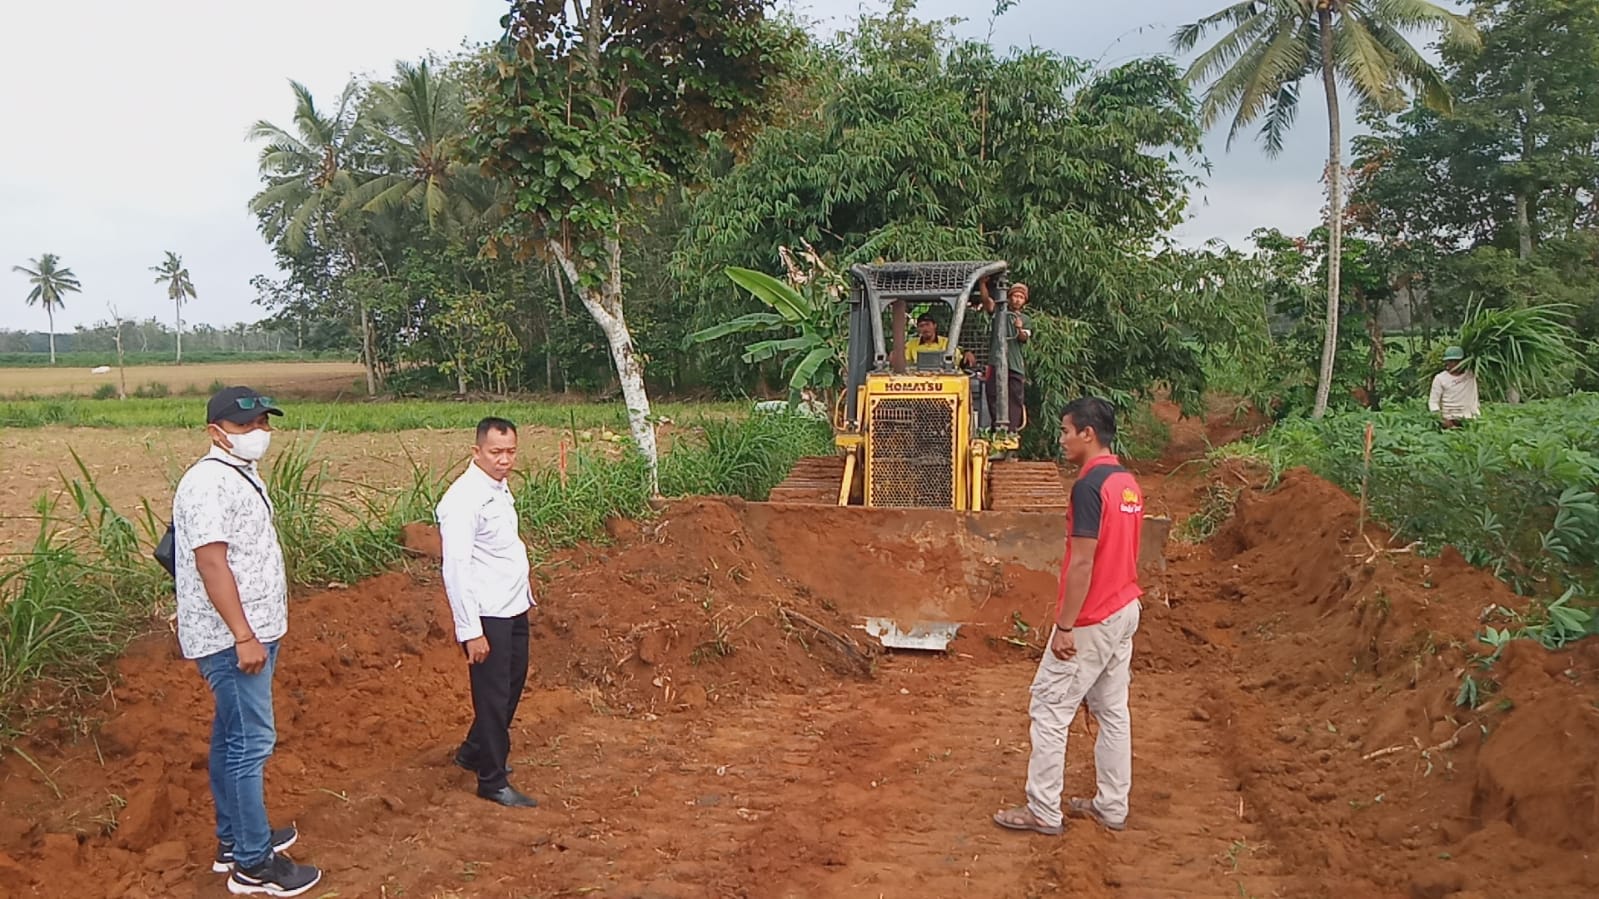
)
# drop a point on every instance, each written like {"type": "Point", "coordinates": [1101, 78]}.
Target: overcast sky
{"type": "Point", "coordinates": [125, 126]}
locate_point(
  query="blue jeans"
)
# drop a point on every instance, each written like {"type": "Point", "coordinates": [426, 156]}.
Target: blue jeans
{"type": "Point", "coordinates": [243, 734]}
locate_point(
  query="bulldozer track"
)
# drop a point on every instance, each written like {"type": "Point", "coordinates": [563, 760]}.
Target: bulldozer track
{"type": "Point", "coordinates": [1026, 487]}
{"type": "Point", "coordinates": [813, 481]}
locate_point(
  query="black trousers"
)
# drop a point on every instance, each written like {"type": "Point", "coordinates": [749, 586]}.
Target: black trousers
{"type": "Point", "coordinates": [1016, 386]}
{"type": "Point", "coordinates": [497, 683]}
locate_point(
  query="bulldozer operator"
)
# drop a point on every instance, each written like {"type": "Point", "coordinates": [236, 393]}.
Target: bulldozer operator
{"type": "Point", "coordinates": [928, 340]}
{"type": "Point", "coordinates": [1011, 330]}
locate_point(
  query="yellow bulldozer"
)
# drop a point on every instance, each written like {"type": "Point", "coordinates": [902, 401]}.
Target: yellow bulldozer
{"type": "Point", "coordinates": [926, 477]}
{"type": "Point", "coordinates": [915, 430]}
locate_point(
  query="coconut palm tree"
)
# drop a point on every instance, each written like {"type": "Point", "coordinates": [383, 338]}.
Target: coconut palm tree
{"type": "Point", "coordinates": [51, 280]}
{"type": "Point", "coordinates": [179, 288]}
{"type": "Point", "coordinates": [1270, 47]}
{"type": "Point", "coordinates": [309, 172]}
{"type": "Point", "coordinates": [417, 125]}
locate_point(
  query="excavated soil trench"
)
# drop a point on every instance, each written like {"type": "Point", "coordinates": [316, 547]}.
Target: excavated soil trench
{"type": "Point", "coordinates": [703, 722]}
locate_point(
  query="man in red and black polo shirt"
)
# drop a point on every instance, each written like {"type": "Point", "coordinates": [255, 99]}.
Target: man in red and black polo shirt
{"type": "Point", "coordinates": [1091, 646]}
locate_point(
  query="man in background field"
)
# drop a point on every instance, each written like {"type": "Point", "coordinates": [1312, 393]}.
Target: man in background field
{"type": "Point", "coordinates": [233, 608]}
{"type": "Point", "coordinates": [1454, 390]}
{"type": "Point", "coordinates": [1090, 650]}
{"type": "Point", "coordinates": [486, 581]}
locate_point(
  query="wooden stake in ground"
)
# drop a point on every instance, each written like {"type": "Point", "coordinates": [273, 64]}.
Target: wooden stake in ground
{"type": "Point", "coordinates": [1365, 475]}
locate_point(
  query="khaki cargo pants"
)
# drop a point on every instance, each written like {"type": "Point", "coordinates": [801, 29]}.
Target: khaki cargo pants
{"type": "Point", "coordinates": [1098, 674]}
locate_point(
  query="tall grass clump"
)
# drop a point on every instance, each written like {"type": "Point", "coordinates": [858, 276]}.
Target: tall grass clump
{"type": "Point", "coordinates": [73, 599]}
{"type": "Point", "coordinates": [1529, 349]}
{"type": "Point", "coordinates": [744, 458]}
{"type": "Point", "coordinates": [332, 532]}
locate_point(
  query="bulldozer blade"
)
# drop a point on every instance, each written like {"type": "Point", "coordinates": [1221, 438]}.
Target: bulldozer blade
{"type": "Point", "coordinates": [934, 635]}
{"type": "Point", "coordinates": [923, 578]}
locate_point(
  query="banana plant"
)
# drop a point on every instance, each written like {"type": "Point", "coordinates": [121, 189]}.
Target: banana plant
{"type": "Point", "coordinates": [813, 354]}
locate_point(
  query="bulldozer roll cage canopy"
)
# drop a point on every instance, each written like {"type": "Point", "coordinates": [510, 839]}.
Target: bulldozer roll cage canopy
{"type": "Point", "coordinates": [879, 290]}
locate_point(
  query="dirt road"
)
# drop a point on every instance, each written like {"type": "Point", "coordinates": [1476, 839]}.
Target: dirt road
{"type": "Point", "coordinates": [688, 740]}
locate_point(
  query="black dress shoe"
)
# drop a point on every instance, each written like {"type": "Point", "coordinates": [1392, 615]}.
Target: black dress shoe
{"type": "Point", "coordinates": [509, 797]}
{"type": "Point", "coordinates": [465, 765]}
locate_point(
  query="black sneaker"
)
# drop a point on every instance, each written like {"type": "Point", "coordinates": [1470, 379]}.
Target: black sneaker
{"type": "Point", "coordinates": [282, 838]}
{"type": "Point", "coordinates": [277, 876]}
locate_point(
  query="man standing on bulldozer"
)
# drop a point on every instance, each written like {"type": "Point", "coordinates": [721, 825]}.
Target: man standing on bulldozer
{"type": "Point", "coordinates": [1010, 332]}
{"type": "Point", "coordinates": [1090, 650]}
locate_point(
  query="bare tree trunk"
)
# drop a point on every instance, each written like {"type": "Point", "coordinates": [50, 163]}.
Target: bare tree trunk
{"type": "Point", "coordinates": [605, 304]}
{"type": "Point", "coordinates": [1335, 213]}
{"type": "Point", "coordinates": [560, 288]}
{"type": "Point", "coordinates": [51, 315]}
{"type": "Point", "coordinates": [1524, 190]}
{"type": "Point", "coordinates": [179, 306]}
{"type": "Point", "coordinates": [368, 357]}
{"type": "Point", "coordinates": [1523, 224]}
{"type": "Point", "coordinates": [122, 368]}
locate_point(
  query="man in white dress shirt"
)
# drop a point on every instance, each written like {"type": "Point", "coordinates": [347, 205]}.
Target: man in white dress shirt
{"type": "Point", "coordinates": [486, 580]}
{"type": "Point", "coordinates": [1454, 390]}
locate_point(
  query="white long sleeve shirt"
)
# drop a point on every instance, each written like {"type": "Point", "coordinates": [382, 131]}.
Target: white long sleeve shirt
{"type": "Point", "coordinates": [1454, 396]}
{"type": "Point", "coordinates": [485, 561]}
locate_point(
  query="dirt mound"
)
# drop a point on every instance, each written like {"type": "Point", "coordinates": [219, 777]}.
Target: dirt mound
{"type": "Point", "coordinates": [1344, 732]}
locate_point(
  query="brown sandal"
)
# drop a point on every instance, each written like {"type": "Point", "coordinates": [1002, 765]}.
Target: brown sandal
{"type": "Point", "coordinates": [1021, 818]}
{"type": "Point", "coordinates": [1084, 808]}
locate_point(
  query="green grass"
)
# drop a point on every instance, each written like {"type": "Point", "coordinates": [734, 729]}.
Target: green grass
{"type": "Point", "coordinates": [88, 584]}
{"type": "Point", "coordinates": [349, 417]}
{"type": "Point", "coordinates": [91, 358]}
{"type": "Point", "coordinates": [1513, 491]}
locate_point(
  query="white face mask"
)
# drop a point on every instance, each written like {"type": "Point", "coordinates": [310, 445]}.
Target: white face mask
{"type": "Point", "coordinates": [251, 445]}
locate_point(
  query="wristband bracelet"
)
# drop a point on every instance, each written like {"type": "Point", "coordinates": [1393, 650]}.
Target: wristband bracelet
{"type": "Point", "coordinates": [240, 641]}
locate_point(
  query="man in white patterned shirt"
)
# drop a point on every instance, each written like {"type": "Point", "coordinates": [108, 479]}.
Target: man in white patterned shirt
{"type": "Point", "coordinates": [486, 581]}
{"type": "Point", "coordinates": [233, 608]}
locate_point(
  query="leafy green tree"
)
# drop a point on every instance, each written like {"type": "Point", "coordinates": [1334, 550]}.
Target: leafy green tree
{"type": "Point", "coordinates": [1517, 225]}
{"type": "Point", "coordinates": [919, 147]}
{"type": "Point", "coordinates": [180, 287]}
{"type": "Point", "coordinates": [1267, 51]}
{"type": "Point", "coordinates": [587, 110]}
{"type": "Point", "coordinates": [51, 282]}
{"type": "Point", "coordinates": [309, 173]}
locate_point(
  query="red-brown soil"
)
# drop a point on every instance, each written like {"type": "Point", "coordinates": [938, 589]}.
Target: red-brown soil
{"type": "Point", "coordinates": [692, 734]}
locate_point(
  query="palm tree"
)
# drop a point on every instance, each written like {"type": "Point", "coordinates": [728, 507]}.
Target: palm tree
{"type": "Point", "coordinates": [309, 174]}
{"type": "Point", "coordinates": [418, 125]}
{"type": "Point", "coordinates": [50, 281]}
{"type": "Point", "coordinates": [179, 288]}
{"type": "Point", "coordinates": [1272, 46]}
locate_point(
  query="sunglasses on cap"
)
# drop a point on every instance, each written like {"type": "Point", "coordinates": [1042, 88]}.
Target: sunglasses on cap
{"type": "Point", "coordinates": [250, 403]}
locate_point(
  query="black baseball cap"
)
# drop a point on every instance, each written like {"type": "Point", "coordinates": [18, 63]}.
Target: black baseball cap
{"type": "Point", "coordinates": [240, 405]}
